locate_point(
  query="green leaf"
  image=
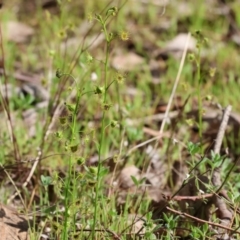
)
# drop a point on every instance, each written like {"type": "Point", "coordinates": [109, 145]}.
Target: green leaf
{"type": "Point", "coordinates": [46, 180]}
{"type": "Point", "coordinates": [136, 182]}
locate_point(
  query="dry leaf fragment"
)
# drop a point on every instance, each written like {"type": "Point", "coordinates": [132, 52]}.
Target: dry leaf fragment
{"type": "Point", "coordinates": [176, 47]}
{"type": "Point", "coordinates": [125, 180]}
{"type": "Point", "coordinates": [127, 62]}
{"type": "Point", "coordinates": [13, 226]}
{"type": "Point", "coordinates": [178, 43]}
{"type": "Point", "coordinates": [18, 32]}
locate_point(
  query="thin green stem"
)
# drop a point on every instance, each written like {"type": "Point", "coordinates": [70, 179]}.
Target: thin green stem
{"type": "Point", "coordinates": [98, 184]}
{"type": "Point", "coordinates": [67, 187]}
{"type": "Point", "coordinates": [199, 90]}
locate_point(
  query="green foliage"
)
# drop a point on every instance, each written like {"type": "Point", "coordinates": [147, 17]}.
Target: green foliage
{"type": "Point", "coordinates": [93, 125]}
{"type": "Point", "coordinates": [46, 180]}
{"type": "Point", "coordinates": [193, 148]}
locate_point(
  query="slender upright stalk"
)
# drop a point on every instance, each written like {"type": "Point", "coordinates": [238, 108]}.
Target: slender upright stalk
{"type": "Point", "coordinates": [199, 95]}
{"type": "Point", "coordinates": [98, 184]}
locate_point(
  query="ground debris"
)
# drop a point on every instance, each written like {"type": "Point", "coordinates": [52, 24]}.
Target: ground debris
{"type": "Point", "coordinates": [13, 226]}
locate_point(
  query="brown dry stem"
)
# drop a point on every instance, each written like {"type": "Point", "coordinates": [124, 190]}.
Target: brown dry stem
{"type": "Point", "coordinates": [223, 212]}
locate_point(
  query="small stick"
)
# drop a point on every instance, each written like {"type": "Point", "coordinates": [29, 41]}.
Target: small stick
{"type": "Point", "coordinates": [222, 129]}
{"type": "Point", "coordinates": [29, 176]}
{"type": "Point", "coordinates": [222, 211]}
{"type": "Point", "coordinates": [175, 85]}
{"type": "Point", "coordinates": [202, 221]}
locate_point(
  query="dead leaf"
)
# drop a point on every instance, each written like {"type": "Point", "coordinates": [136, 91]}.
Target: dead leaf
{"type": "Point", "coordinates": [127, 61]}
{"type": "Point", "coordinates": [178, 43]}
{"type": "Point", "coordinates": [13, 226]}
{"type": "Point", "coordinates": [176, 46]}
{"type": "Point", "coordinates": [18, 32]}
{"type": "Point", "coordinates": [125, 180]}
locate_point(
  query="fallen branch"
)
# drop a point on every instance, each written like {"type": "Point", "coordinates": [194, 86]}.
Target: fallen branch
{"type": "Point", "coordinates": [201, 220]}
{"type": "Point", "coordinates": [223, 212]}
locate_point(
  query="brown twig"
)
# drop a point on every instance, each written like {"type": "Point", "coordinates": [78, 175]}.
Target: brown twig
{"type": "Point", "coordinates": [222, 129]}
{"type": "Point", "coordinates": [202, 221]}
{"type": "Point", "coordinates": [223, 212]}
{"type": "Point", "coordinates": [29, 175]}
{"type": "Point", "coordinates": [116, 236]}
{"type": "Point", "coordinates": [193, 198]}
